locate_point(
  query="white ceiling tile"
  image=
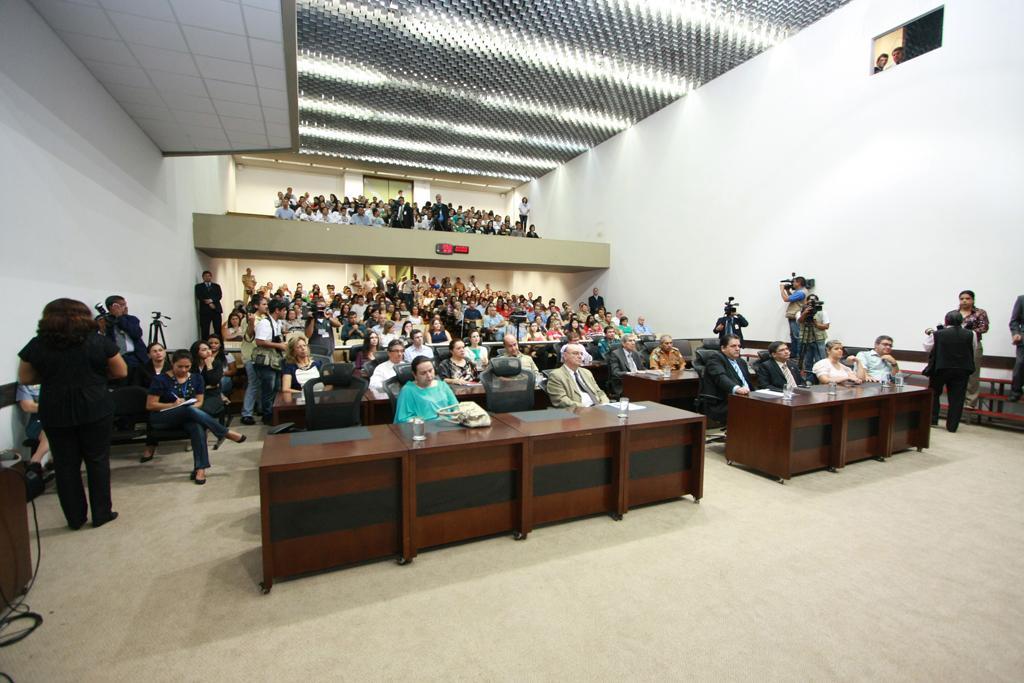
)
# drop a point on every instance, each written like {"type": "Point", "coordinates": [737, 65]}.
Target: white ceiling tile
{"type": "Point", "coordinates": [158, 127]}
{"type": "Point", "coordinates": [146, 111]}
{"type": "Point", "coordinates": [225, 70]}
{"type": "Point", "coordinates": [190, 103]}
{"type": "Point", "coordinates": [241, 125]}
{"type": "Point", "coordinates": [264, 4]}
{"type": "Point", "coordinates": [248, 141]}
{"type": "Point", "coordinates": [279, 130]}
{"type": "Point", "coordinates": [121, 75]}
{"type": "Point", "coordinates": [281, 142]}
{"type": "Point", "coordinates": [263, 24]}
{"type": "Point", "coordinates": [207, 138]}
{"type": "Point", "coordinates": [267, 53]}
{"type": "Point", "coordinates": [68, 16]}
{"type": "Point", "coordinates": [99, 49]}
{"type": "Point", "coordinates": [154, 9]}
{"type": "Point", "coordinates": [176, 83]}
{"type": "Point", "coordinates": [91, 3]}
{"type": "Point", "coordinates": [271, 78]}
{"type": "Point", "coordinates": [278, 99]}
{"type": "Point", "coordinates": [233, 92]}
{"type": "Point", "coordinates": [217, 44]}
{"type": "Point", "coordinates": [195, 118]}
{"type": "Point", "coordinates": [215, 14]}
{"type": "Point", "coordinates": [239, 110]}
{"type": "Point", "coordinates": [149, 32]}
{"type": "Point", "coordinates": [165, 60]}
{"type": "Point", "coordinates": [125, 93]}
{"type": "Point", "coordinates": [271, 115]}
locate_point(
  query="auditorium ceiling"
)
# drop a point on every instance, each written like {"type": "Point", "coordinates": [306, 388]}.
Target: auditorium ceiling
{"type": "Point", "coordinates": [510, 89]}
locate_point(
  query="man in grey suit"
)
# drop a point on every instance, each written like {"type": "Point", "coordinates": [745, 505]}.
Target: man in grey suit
{"type": "Point", "coordinates": [1017, 330]}
{"type": "Point", "coordinates": [572, 386]}
{"type": "Point", "coordinates": [621, 361]}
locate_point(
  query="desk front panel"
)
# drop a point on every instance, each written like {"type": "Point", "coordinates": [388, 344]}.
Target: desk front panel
{"type": "Point", "coordinates": [664, 462]}
{"type": "Point", "coordinates": [865, 433]}
{"type": "Point", "coordinates": [574, 475]}
{"type": "Point", "coordinates": [912, 411]}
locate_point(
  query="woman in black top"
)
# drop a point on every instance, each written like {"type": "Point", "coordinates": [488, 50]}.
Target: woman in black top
{"type": "Point", "coordinates": [73, 363]}
{"type": "Point", "coordinates": [157, 364]}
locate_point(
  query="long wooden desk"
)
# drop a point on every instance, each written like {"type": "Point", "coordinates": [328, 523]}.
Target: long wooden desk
{"type": "Point", "coordinates": [679, 386]}
{"type": "Point", "coordinates": [817, 431]}
{"type": "Point", "coordinates": [337, 497]}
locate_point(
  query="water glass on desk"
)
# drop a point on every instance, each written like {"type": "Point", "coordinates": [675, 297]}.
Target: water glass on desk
{"type": "Point", "coordinates": [419, 429]}
{"type": "Point", "coordinates": [623, 407]}
{"type": "Point", "coordinates": [787, 394]}
{"type": "Point", "coordinates": [884, 381]}
{"type": "Point", "coordinates": [666, 373]}
{"type": "Point", "coordinates": [898, 380]}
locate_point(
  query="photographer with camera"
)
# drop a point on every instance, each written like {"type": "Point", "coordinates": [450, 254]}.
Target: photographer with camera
{"type": "Point", "coordinates": [794, 292]}
{"type": "Point", "coordinates": [268, 356]}
{"type": "Point", "coordinates": [125, 331]}
{"type": "Point", "coordinates": [320, 326]}
{"type": "Point", "coordinates": [731, 323]}
{"type": "Point", "coordinates": [814, 323]}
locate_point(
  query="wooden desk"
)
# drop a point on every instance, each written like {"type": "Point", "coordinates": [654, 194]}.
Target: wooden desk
{"type": "Point", "coordinates": [574, 464]}
{"type": "Point", "coordinates": [816, 431]}
{"type": "Point", "coordinates": [680, 385]}
{"type": "Point", "coordinates": [664, 460]}
{"type": "Point", "coordinates": [464, 483]}
{"type": "Point", "coordinates": [324, 505]}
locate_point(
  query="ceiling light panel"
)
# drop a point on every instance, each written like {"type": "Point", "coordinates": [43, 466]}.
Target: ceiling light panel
{"type": "Point", "coordinates": [510, 86]}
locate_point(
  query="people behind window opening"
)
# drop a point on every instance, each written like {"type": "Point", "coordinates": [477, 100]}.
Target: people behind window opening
{"type": "Point", "coordinates": [374, 212]}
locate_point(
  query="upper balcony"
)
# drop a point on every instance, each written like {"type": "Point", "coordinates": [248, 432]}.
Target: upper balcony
{"type": "Point", "coordinates": [247, 235]}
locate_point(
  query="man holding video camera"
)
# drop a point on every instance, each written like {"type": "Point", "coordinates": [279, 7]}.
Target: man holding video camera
{"type": "Point", "coordinates": [126, 331]}
{"type": "Point", "coordinates": [814, 323]}
{"type": "Point", "coordinates": [320, 330]}
{"type": "Point", "coordinates": [794, 293]}
{"type": "Point", "coordinates": [732, 323]}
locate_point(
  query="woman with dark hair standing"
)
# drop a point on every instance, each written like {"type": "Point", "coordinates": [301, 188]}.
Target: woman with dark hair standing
{"type": "Point", "coordinates": [72, 363]}
{"type": "Point", "coordinates": [975, 320]}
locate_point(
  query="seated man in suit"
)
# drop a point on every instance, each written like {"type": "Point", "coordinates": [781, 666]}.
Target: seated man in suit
{"type": "Point", "coordinates": [621, 361]}
{"type": "Point", "coordinates": [571, 385]}
{"type": "Point", "coordinates": [725, 373]}
{"type": "Point", "coordinates": [779, 371]}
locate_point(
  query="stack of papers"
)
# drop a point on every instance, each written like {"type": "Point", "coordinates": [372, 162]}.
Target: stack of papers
{"type": "Point", "coordinates": [768, 393]}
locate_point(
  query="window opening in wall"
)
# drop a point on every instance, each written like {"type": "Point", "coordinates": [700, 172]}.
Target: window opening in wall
{"type": "Point", "coordinates": [913, 39]}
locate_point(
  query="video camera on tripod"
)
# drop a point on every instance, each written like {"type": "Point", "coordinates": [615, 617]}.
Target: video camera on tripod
{"type": "Point", "coordinates": [156, 328]}
{"type": "Point", "coordinates": [730, 305]}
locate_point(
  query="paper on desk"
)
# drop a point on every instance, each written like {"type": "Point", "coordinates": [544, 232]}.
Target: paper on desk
{"type": "Point", "coordinates": [632, 406]}
{"type": "Point", "coordinates": [768, 393]}
{"type": "Point", "coordinates": [180, 405]}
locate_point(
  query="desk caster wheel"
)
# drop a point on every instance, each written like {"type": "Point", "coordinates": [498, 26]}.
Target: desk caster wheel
{"type": "Point", "coordinates": [833, 470]}
{"type": "Point", "coordinates": [518, 536]}
{"type": "Point", "coordinates": [616, 516]}
{"type": "Point", "coordinates": [782, 482]}
{"type": "Point", "coordinates": [880, 459]}
{"type": "Point", "coordinates": [729, 463]}
{"type": "Point", "coordinates": [402, 561]}
{"type": "Point", "coordinates": [264, 588]}
{"type": "Point", "coordinates": [696, 500]}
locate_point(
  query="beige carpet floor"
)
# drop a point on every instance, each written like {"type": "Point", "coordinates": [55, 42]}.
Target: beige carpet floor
{"type": "Point", "coordinates": [912, 569]}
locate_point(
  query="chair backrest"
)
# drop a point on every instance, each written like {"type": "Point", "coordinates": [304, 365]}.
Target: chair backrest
{"type": "Point", "coordinates": [763, 356]}
{"type": "Point", "coordinates": [685, 348]}
{"type": "Point", "coordinates": [393, 386]}
{"type": "Point", "coordinates": [335, 408]}
{"type": "Point", "coordinates": [324, 360]}
{"type": "Point", "coordinates": [129, 402]}
{"type": "Point", "coordinates": [337, 374]}
{"type": "Point", "coordinates": [711, 343]}
{"type": "Point", "coordinates": [441, 353]}
{"type": "Point", "coordinates": [509, 388]}
{"type": "Point", "coordinates": [700, 358]}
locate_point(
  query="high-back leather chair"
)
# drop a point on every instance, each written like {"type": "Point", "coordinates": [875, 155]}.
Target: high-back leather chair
{"type": "Point", "coordinates": [509, 388]}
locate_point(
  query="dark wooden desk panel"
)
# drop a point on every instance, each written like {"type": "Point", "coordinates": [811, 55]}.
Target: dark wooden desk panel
{"type": "Point", "coordinates": [664, 459]}
{"type": "Point", "coordinates": [289, 407]}
{"type": "Point", "coordinates": [573, 465]}
{"type": "Point", "coordinates": [464, 483]}
{"type": "Point", "coordinates": [816, 431]}
{"type": "Point", "coordinates": [679, 386]}
{"type": "Point", "coordinates": [330, 504]}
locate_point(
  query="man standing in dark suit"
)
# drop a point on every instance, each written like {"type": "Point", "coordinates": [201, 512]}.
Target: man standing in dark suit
{"type": "Point", "coordinates": [1017, 330]}
{"type": "Point", "coordinates": [208, 295]}
{"type": "Point", "coordinates": [952, 364]}
{"type": "Point", "coordinates": [595, 301]}
{"type": "Point", "coordinates": [401, 215]}
{"type": "Point", "coordinates": [778, 372]}
{"type": "Point", "coordinates": [725, 373]}
{"type": "Point", "coordinates": [623, 360]}
{"type": "Point", "coordinates": [730, 323]}
{"type": "Point", "coordinates": [442, 213]}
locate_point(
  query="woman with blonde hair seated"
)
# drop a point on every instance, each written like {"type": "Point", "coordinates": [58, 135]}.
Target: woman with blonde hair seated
{"type": "Point", "coordinates": [299, 366]}
{"type": "Point", "coordinates": [830, 369]}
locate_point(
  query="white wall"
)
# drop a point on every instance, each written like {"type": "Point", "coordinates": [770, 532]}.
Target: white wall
{"type": "Point", "coordinates": [102, 211]}
{"type": "Point", "coordinates": [895, 191]}
{"type": "Point", "coordinates": [256, 187]}
{"type": "Point", "coordinates": [486, 201]}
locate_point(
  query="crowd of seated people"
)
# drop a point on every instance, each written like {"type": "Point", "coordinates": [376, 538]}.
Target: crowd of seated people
{"type": "Point", "coordinates": [397, 213]}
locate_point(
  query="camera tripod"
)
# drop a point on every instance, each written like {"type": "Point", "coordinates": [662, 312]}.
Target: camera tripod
{"type": "Point", "coordinates": [156, 332]}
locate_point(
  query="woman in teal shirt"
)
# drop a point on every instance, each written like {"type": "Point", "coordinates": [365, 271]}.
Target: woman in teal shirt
{"type": "Point", "coordinates": [423, 397]}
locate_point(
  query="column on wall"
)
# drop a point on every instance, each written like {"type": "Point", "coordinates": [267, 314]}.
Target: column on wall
{"type": "Point", "coordinates": [421, 192]}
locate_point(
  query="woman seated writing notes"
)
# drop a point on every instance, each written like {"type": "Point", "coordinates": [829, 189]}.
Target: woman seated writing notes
{"type": "Point", "coordinates": [424, 396]}
{"type": "Point", "coordinates": [830, 369]}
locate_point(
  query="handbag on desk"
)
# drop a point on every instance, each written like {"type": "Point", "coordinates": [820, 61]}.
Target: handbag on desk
{"type": "Point", "coordinates": [466, 413]}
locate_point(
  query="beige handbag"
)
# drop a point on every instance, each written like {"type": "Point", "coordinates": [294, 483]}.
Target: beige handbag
{"type": "Point", "coordinates": [466, 413]}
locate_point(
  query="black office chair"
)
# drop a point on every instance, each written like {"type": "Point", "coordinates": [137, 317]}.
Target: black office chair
{"type": "Point", "coordinates": [393, 386]}
{"type": "Point", "coordinates": [440, 354]}
{"type": "Point", "coordinates": [324, 360]}
{"type": "Point", "coordinates": [337, 407]}
{"type": "Point", "coordinates": [645, 350]}
{"type": "Point", "coordinates": [685, 349]}
{"type": "Point", "coordinates": [508, 387]}
{"type": "Point", "coordinates": [129, 413]}
{"type": "Point", "coordinates": [706, 403]}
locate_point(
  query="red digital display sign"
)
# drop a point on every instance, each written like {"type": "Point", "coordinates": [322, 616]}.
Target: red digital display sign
{"type": "Point", "coordinates": [449, 249]}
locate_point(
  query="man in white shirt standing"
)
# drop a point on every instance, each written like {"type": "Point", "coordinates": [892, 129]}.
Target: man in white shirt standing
{"type": "Point", "coordinates": [269, 340]}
